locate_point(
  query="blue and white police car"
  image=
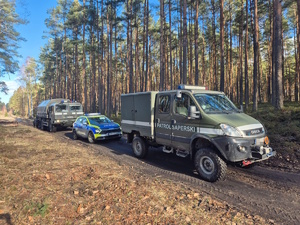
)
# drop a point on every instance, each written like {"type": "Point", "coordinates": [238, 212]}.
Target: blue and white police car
{"type": "Point", "coordinates": [95, 126]}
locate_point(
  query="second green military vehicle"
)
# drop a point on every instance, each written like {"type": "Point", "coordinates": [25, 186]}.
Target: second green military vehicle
{"type": "Point", "coordinates": [192, 121]}
{"type": "Point", "coordinates": [54, 113]}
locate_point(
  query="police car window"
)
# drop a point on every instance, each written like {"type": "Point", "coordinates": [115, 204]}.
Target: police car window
{"type": "Point", "coordinates": [164, 104]}
{"type": "Point", "coordinates": [84, 120]}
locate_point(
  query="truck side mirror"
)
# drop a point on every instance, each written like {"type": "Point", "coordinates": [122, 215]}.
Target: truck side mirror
{"type": "Point", "coordinates": [178, 94]}
{"type": "Point", "coordinates": [193, 113]}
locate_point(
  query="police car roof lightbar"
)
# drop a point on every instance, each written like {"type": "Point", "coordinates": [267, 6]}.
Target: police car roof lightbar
{"type": "Point", "coordinates": [190, 87]}
{"type": "Point", "coordinates": [92, 114]}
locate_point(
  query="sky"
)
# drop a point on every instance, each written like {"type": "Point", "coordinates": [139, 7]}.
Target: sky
{"type": "Point", "coordinates": [35, 12]}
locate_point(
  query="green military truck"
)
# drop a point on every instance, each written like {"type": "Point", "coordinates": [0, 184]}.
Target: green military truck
{"type": "Point", "coordinates": [192, 121]}
{"type": "Point", "coordinates": [54, 113]}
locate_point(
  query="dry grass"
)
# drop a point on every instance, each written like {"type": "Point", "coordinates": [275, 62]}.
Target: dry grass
{"type": "Point", "coordinates": [49, 181]}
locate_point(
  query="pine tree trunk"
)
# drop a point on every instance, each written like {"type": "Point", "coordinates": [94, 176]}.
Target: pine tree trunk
{"type": "Point", "coordinates": [278, 54]}
{"type": "Point", "coordinates": [270, 53]}
{"type": "Point", "coordinates": [147, 46]}
{"type": "Point", "coordinates": [190, 53]}
{"type": "Point", "coordinates": [222, 78]}
{"type": "Point", "coordinates": [184, 47]}
{"type": "Point", "coordinates": [246, 61]}
{"type": "Point", "coordinates": [241, 80]}
{"type": "Point", "coordinates": [256, 57]}
{"type": "Point", "coordinates": [196, 43]}
{"type": "Point", "coordinates": [137, 58]}
{"type": "Point", "coordinates": [230, 64]}
{"type": "Point", "coordinates": [162, 47]}
{"type": "Point", "coordinates": [170, 42]}
{"type": "Point", "coordinates": [83, 60]}
{"type": "Point", "coordinates": [298, 51]}
{"type": "Point", "coordinates": [297, 62]}
{"type": "Point", "coordinates": [214, 53]}
{"type": "Point", "coordinates": [203, 57]}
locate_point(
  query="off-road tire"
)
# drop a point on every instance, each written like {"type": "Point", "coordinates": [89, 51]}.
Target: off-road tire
{"type": "Point", "coordinates": [75, 136]}
{"type": "Point", "coordinates": [139, 147]}
{"type": "Point", "coordinates": [91, 138]}
{"type": "Point", "coordinates": [40, 126]}
{"type": "Point", "coordinates": [52, 128]}
{"type": "Point", "coordinates": [209, 165]}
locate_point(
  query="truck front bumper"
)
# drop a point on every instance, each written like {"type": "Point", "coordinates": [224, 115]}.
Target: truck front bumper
{"type": "Point", "coordinates": [240, 149]}
{"type": "Point", "coordinates": [64, 123]}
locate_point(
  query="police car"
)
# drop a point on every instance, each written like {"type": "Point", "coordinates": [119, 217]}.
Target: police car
{"type": "Point", "coordinates": [95, 126]}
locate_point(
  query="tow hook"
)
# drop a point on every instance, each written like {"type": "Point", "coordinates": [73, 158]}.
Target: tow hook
{"type": "Point", "coordinates": [246, 163]}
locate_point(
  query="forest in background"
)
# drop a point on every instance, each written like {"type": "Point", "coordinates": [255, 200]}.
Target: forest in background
{"type": "Point", "coordinates": [98, 50]}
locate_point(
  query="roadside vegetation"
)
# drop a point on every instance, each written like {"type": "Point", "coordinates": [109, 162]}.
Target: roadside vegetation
{"type": "Point", "coordinates": [283, 128]}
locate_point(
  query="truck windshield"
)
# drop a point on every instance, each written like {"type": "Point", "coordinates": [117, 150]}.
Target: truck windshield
{"type": "Point", "coordinates": [60, 108]}
{"type": "Point", "coordinates": [75, 107]}
{"type": "Point", "coordinates": [215, 103]}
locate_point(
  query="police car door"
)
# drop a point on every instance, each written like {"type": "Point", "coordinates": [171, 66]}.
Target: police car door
{"type": "Point", "coordinates": [84, 129]}
{"type": "Point", "coordinates": [182, 127]}
{"type": "Point", "coordinates": [163, 119]}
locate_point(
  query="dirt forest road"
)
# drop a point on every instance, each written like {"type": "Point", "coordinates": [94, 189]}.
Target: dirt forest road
{"type": "Point", "coordinates": [268, 192]}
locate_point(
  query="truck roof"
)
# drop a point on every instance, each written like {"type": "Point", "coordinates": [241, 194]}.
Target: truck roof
{"type": "Point", "coordinates": [174, 91]}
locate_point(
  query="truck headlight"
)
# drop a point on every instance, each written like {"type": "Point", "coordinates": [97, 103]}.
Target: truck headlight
{"type": "Point", "coordinates": [230, 131]}
{"type": "Point", "coordinates": [98, 131]}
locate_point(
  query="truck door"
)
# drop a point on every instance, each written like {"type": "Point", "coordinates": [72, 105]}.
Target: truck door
{"type": "Point", "coordinates": [163, 119]}
{"type": "Point", "coordinates": [182, 127]}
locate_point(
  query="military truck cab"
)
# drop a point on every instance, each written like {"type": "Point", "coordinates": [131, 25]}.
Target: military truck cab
{"type": "Point", "coordinates": [197, 123]}
{"type": "Point", "coordinates": [54, 113]}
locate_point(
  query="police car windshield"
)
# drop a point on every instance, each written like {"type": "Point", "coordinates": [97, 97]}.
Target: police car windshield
{"type": "Point", "coordinates": [98, 120]}
{"type": "Point", "coordinates": [215, 103]}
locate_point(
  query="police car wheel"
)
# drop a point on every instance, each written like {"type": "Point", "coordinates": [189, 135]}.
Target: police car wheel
{"type": "Point", "coordinates": [209, 165]}
{"type": "Point", "coordinates": [91, 138]}
{"type": "Point", "coordinates": [139, 147]}
{"type": "Point", "coordinates": [75, 136]}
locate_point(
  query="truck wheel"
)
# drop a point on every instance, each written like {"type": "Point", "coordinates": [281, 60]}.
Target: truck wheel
{"type": "Point", "coordinates": [91, 138]}
{"type": "Point", "coordinates": [139, 147]}
{"type": "Point", "coordinates": [75, 136]}
{"type": "Point", "coordinates": [209, 165]}
{"type": "Point", "coordinates": [52, 128]}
